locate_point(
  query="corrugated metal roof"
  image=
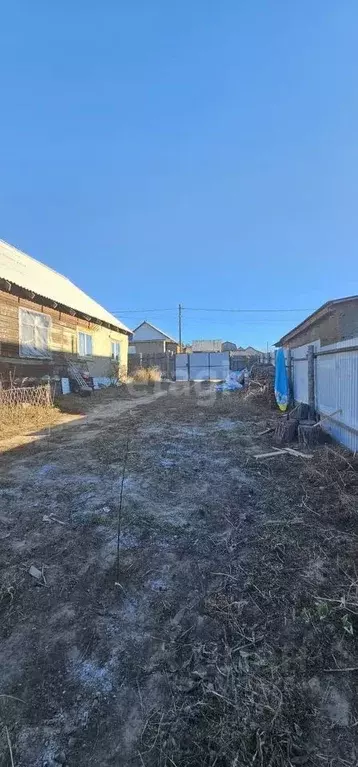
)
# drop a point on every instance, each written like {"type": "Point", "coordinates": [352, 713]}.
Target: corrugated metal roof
{"type": "Point", "coordinates": [26, 272]}
{"type": "Point", "coordinates": [316, 315]}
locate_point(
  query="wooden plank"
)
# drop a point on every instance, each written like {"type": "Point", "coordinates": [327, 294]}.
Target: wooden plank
{"type": "Point", "coordinates": [298, 453]}
{"type": "Point", "coordinates": [270, 455]}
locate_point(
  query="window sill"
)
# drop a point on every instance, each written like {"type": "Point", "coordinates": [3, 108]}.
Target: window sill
{"type": "Point", "coordinates": [35, 357]}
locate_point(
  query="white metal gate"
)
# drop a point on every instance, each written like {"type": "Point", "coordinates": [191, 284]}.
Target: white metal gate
{"type": "Point", "coordinates": [202, 366]}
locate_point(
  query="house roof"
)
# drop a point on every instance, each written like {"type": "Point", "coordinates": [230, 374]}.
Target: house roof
{"type": "Point", "coordinates": [158, 330]}
{"type": "Point", "coordinates": [249, 351]}
{"type": "Point", "coordinates": [314, 317]}
{"type": "Point", "coordinates": [26, 272]}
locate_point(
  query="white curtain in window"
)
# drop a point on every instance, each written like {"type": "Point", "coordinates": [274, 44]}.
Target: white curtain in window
{"type": "Point", "coordinates": [115, 350]}
{"type": "Point", "coordinates": [84, 345]}
{"type": "Point", "coordinates": [34, 333]}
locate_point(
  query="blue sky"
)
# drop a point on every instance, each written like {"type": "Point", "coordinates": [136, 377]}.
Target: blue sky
{"type": "Point", "coordinates": [198, 152]}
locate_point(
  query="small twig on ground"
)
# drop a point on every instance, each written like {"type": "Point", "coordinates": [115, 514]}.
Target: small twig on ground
{"type": "Point", "coordinates": [342, 457]}
{"type": "Point", "coordinates": [9, 744]}
{"type": "Point", "coordinates": [157, 735]}
{"type": "Point", "coordinates": [352, 668]}
{"type": "Point", "coordinates": [3, 695]}
{"type": "Point", "coordinates": [217, 695]}
{"type": "Point", "coordinates": [120, 504]}
{"type": "Point", "coordinates": [140, 696]}
{"type": "Point", "coordinates": [43, 575]}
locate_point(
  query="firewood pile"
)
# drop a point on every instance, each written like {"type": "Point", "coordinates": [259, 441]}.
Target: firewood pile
{"type": "Point", "coordinates": [261, 384]}
{"type": "Point", "coordinates": [296, 425]}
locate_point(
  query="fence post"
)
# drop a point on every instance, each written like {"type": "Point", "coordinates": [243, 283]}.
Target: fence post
{"type": "Point", "coordinates": [168, 364]}
{"type": "Point", "coordinates": [311, 387]}
{"type": "Point", "coordinates": [289, 374]}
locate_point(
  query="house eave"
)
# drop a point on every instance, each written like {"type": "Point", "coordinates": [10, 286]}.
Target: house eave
{"type": "Point", "coordinates": [21, 292]}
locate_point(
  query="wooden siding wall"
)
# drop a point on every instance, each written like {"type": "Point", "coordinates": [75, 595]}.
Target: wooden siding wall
{"type": "Point", "coordinates": [63, 341]}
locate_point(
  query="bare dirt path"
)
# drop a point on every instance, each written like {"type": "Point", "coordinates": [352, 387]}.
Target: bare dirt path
{"type": "Point", "coordinates": [238, 592]}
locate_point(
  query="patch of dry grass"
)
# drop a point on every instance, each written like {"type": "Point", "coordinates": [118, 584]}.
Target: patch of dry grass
{"type": "Point", "coordinates": [16, 419]}
{"type": "Point", "coordinates": [147, 375]}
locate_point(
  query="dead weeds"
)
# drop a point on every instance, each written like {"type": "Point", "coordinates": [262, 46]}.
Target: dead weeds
{"type": "Point", "coordinates": [232, 641]}
{"type": "Point", "coordinates": [15, 419]}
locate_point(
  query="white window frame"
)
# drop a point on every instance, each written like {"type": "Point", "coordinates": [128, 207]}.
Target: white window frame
{"type": "Point", "coordinates": [88, 335]}
{"type": "Point", "coordinates": [37, 353]}
{"type": "Point", "coordinates": [116, 357]}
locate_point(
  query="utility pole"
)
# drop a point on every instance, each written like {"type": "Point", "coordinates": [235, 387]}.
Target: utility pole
{"type": "Point", "coordinates": [180, 324]}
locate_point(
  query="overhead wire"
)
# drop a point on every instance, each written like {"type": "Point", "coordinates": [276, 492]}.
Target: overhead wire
{"type": "Point", "coordinates": [207, 309]}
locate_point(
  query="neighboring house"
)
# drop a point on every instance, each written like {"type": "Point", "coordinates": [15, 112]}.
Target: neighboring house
{"type": "Point", "coordinates": [249, 351]}
{"type": "Point", "coordinates": [147, 339]}
{"type": "Point", "coordinates": [335, 321]}
{"type": "Point", "coordinates": [244, 357]}
{"type": "Point", "coordinates": [207, 345]}
{"type": "Point", "coordinates": [228, 346]}
{"type": "Point", "coordinates": [47, 323]}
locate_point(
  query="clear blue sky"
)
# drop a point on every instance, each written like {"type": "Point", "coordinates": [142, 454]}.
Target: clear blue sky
{"type": "Point", "coordinates": [203, 152]}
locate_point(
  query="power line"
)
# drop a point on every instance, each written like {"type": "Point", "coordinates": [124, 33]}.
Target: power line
{"type": "Point", "coordinates": [191, 309]}
{"type": "Point", "coordinates": [212, 309]}
{"type": "Point", "coordinates": [141, 311]}
{"type": "Point", "coordinates": [213, 320]}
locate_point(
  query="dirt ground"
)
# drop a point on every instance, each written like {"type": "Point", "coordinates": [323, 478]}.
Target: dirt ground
{"type": "Point", "coordinates": [223, 628]}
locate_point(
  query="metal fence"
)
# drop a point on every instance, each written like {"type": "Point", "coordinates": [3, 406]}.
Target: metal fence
{"type": "Point", "coordinates": [165, 361]}
{"type": "Point", "coordinates": [335, 387]}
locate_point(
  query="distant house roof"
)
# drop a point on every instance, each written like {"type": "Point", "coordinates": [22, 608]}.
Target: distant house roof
{"type": "Point", "coordinates": [157, 334]}
{"type": "Point", "coordinates": [314, 317]}
{"type": "Point", "coordinates": [26, 272]}
{"type": "Point", "coordinates": [248, 352]}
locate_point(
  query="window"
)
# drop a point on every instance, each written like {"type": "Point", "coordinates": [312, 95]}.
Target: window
{"type": "Point", "coordinates": [84, 345]}
{"type": "Point", "coordinates": [116, 351]}
{"type": "Point", "coordinates": [34, 334]}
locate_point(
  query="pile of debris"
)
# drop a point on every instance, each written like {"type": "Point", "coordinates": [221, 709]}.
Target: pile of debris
{"type": "Point", "coordinates": [261, 384]}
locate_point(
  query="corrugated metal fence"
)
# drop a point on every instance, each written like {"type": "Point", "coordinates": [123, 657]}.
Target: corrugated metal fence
{"type": "Point", "coordinates": [336, 386]}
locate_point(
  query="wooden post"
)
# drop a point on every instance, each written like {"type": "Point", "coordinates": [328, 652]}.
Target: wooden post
{"type": "Point", "coordinates": [311, 386]}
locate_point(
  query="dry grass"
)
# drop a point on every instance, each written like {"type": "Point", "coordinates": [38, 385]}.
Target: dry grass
{"type": "Point", "coordinates": [23, 418]}
{"type": "Point", "coordinates": [147, 375]}
{"type": "Point", "coordinates": [244, 659]}
{"type": "Point", "coordinates": [242, 696]}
